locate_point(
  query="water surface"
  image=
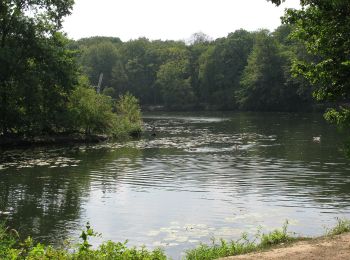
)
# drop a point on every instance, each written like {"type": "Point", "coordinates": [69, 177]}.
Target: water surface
{"type": "Point", "coordinates": [203, 175]}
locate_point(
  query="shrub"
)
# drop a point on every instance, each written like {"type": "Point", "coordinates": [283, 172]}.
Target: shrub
{"type": "Point", "coordinates": [90, 111]}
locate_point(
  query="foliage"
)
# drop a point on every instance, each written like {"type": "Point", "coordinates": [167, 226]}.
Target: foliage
{"type": "Point", "coordinates": [95, 113]}
{"type": "Point", "coordinates": [323, 27]}
{"type": "Point", "coordinates": [342, 226]}
{"type": "Point", "coordinates": [241, 246]}
{"type": "Point", "coordinates": [100, 58]}
{"type": "Point", "coordinates": [266, 82]}
{"type": "Point", "coordinates": [91, 111]}
{"type": "Point", "coordinates": [12, 248]}
{"type": "Point", "coordinates": [38, 71]}
{"type": "Point", "coordinates": [204, 73]}
{"type": "Point", "coordinates": [174, 81]}
{"type": "Point", "coordinates": [128, 116]}
{"type": "Point", "coordinates": [221, 67]}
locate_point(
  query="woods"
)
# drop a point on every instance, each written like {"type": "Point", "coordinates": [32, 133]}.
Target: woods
{"type": "Point", "coordinates": [42, 89]}
{"type": "Point", "coordinates": [245, 71]}
{"type": "Point", "coordinates": [251, 71]}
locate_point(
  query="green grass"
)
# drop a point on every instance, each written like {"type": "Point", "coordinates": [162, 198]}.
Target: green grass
{"type": "Point", "coordinates": [12, 248]}
{"type": "Point", "coordinates": [343, 226]}
{"type": "Point", "coordinates": [240, 246]}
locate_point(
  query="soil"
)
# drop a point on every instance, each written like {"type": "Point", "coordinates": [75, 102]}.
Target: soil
{"type": "Point", "coordinates": [325, 248]}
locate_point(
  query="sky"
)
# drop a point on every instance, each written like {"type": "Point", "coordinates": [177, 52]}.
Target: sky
{"type": "Point", "coordinates": [171, 19]}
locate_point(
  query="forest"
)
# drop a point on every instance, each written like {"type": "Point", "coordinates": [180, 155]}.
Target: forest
{"type": "Point", "coordinates": [48, 81]}
{"type": "Point", "coordinates": [247, 71]}
{"type": "Point", "coordinates": [194, 175]}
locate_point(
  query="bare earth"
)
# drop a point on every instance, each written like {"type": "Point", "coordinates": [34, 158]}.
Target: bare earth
{"type": "Point", "coordinates": [337, 247]}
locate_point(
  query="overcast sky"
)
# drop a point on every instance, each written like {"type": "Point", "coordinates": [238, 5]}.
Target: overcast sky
{"type": "Point", "coordinates": [171, 19]}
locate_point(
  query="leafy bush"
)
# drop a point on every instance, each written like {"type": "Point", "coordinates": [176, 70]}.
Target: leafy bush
{"type": "Point", "coordinates": [342, 226]}
{"type": "Point", "coordinates": [95, 113]}
{"type": "Point", "coordinates": [12, 248]}
{"type": "Point", "coordinates": [90, 111]}
{"type": "Point", "coordinates": [128, 116]}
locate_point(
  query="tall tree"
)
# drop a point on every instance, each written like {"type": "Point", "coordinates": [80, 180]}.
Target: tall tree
{"type": "Point", "coordinates": [221, 68]}
{"type": "Point", "coordinates": [37, 69]}
{"type": "Point", "coordinates": [324, 29]}
{"type": "Point", "coordinates": [263, 78]}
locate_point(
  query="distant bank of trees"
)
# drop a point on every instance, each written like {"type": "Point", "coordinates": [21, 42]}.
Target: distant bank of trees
{"type": "Point", "coordinates": [245, 70]}
{"type": "Point", "coordinates": [46, 79]}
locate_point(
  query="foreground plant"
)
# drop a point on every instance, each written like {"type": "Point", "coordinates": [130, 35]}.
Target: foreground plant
{"type": "Point", "coordinates": [12, 248]}
{"type": "Point", "coordinates": [240, 246]}
{"type": "Point", "coordinates": [342, 226]}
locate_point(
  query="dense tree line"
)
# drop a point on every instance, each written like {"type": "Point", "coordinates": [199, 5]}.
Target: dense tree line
{"type": "Point", "coordinates": [46, 79]}
{"type": "Point", "coordinates": [42, 89]}
{"type": "Point", "coordinates": [245, 70]}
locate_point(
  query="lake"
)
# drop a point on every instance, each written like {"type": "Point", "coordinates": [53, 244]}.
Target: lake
{"type": "Point", "coordinates": [203, 176]}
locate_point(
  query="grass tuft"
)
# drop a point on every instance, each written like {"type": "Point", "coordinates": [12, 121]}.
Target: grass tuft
{"type": "Point", "coordinates": [342, 226]}
{"type": "Point", "coordinates": [241, 246]}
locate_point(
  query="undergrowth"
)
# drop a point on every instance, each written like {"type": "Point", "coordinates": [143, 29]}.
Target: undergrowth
{"type": "Point", "coordinates": [240, 246]}
{"type": "Point", "coordinates": [342, 226]}
{"type": "Point", "coordinates": [13, 248]}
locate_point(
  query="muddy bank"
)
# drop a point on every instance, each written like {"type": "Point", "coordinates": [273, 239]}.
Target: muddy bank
{"type": "Point", "coordinates": [326, 248]}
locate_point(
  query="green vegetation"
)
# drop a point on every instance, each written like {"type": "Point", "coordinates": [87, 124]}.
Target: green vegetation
{"type": "Point", "coordinates": [245, 70]}
{"type": "Point", "coordinates": [42, 88]}
{"type": "Point", "coordinates": [241, 246]}
{"type": "Point", "coordinates": [41, 91]}
{"type": "Point", "coordinates": [12, 248]}
{"type": "Point", "coordinates": [343, 226]}
{"type": "Point", "coordinates": [93, 113]}
{"type": "Point", "coordinates": [322, 27]}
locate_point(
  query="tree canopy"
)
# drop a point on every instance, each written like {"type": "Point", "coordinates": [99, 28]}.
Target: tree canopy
{"type": "Point", "coordinates": [323, 27]}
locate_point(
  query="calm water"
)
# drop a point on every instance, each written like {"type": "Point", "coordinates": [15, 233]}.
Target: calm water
{"type": "Point", "coordinates": [202, 176]}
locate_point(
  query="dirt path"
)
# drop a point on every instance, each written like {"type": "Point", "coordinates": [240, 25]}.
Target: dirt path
{"type": "Point", "coordinates": [337, 248]}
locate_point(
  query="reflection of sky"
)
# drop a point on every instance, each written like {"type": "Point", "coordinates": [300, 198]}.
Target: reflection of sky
{"type": "Point", "coordinates": [178, 219]}
{"type": "Point", "coordinates": [201, 177]}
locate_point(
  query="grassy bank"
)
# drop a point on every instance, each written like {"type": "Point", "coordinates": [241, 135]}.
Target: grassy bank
{"type": "Point", "coordinates": [12, 247]}
{"type": "Point", "coordinates": [261, 242]}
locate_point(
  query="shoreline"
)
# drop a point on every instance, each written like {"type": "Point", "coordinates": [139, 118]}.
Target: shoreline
{"type": "Point", "coordinates": [335, 247]}
{"type": "Point", "coordinates": [20, 142]}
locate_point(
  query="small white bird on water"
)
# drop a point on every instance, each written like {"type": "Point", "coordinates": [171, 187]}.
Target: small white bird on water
{"type": "Point", "coordinates": [316, 139]}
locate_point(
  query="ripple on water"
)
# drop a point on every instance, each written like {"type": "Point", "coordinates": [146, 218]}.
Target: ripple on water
{"type": "Point", "coordinates": [198, 178]}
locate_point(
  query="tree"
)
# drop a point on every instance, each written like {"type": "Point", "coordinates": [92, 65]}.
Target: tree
{"type": "Point", "coordinates": [37, 69]}
{"type": "Point", "coordinates": [221, 67]}
{"type": "Point", "coordinates": [101, 58]}
{"type": "Point", "coordinates": [263, 78]}
{"type": "Point", "coordinates": [323, 27]}
{"type": "Point", "coordinates": [90, 111]}
{"type": "Point", "coordinates": [174, 81]}
{"type": "Point", "coordinates": [199, 38]}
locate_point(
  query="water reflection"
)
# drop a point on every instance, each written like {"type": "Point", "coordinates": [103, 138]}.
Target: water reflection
{"type": "Point", "coordinates": [202, 176]}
